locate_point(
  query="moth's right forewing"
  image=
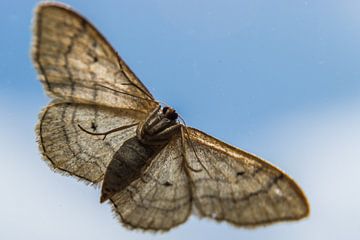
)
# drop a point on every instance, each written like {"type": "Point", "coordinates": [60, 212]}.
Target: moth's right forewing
{"type": "Point", "coordinates": [239, 187]}
{"type": "Point", "coordinates": [74, 61]}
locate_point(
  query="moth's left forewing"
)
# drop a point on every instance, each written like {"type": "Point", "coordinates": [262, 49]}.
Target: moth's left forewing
{"type": "Point", "coordinates": [76, 63]}
{"type": "Point", "coordinates": [239, 187]}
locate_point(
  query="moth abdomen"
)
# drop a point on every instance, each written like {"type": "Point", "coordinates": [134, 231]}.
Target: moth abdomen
{"type": "Point", "coordinates": [125, 166]}
{"type": "Point", "coordinates": [129, 161]}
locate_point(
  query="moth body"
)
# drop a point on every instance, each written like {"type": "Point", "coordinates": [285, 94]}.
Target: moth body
{"type": "Point", "coordinates": [136, 153]}
{"type": "Point", "coordinates": [155, 171]}
{"type": "Point", "coordinates": [125, 166]}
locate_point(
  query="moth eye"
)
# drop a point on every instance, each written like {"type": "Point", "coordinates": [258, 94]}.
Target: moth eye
{"type": "Point", "coordinates": [172, 116]}
{"type": "Point", "coordinates": [164, 110]}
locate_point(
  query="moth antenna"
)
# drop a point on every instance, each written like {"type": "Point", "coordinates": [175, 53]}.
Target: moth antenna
{"type": "Point", "coordinates": [193, 148]}
{"type": "Point", "coordinates": [108, 132]}
{"type": "Point", "coordinates": [129, 94]}
{"type": "Point", "coordinates": [182, 120]}
{"type": "Point", "coordinates": [163, 103]}
{"type": "Point", "coordinates": [139, 88]}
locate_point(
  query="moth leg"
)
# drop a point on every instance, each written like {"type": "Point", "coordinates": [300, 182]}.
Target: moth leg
{"type": "Point", "coordinates": [151, 116]}
{"type": "Point", "coordinates": [108, 132]}
{"type": "Point", "coordinates": [146, 123]}
{"type": "Point", "coordinates": [161, 137]}
{"type": "Point", "coordinates": [166, 133]}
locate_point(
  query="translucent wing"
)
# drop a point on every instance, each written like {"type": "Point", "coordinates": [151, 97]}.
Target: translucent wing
{"type": "Point", "coordinates": [74, 61]}
{"type": "Point", "coordinates": [161, 199]}
{"type": "Point", "coordinates": [238, 187]}
{"type": "Point", "coordinates": [71, 150]}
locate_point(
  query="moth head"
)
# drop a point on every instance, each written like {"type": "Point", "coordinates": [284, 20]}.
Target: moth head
{"type": "Point", "coordinates": [169, 113]}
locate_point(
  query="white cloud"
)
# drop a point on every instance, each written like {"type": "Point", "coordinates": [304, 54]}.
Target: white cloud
{"type": "Point", "coordinates": [320, 149]}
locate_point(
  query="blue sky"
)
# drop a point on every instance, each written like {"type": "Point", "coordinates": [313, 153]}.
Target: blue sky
{"type": "Point", "coordinates": [280, 79]}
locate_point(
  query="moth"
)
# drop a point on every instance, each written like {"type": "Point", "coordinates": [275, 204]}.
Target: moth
{"type": "Point", "coordinates": [105, 128]}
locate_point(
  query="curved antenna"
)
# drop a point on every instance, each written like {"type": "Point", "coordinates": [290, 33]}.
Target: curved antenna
{"type": "Point", "coordinates": [193, 148]}
{"type": "Point", "coordinates": [163, 103]}
{"type": "Point", "coordinates": [126, 93]}
{"type": "Point", "coordinates": [132, 95]}
{"type": "Point", "coordinates": [182, 119]}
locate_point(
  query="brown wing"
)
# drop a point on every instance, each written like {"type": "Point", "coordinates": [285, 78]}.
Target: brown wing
{"type": "Point", "coordinates": [71, 150]}
{"type": "Point", "coordinates": [75, 62]}
{"type": "Point", "coordinates": [161, 199]}
{"type": "Point", "coordinates": [239, 187]}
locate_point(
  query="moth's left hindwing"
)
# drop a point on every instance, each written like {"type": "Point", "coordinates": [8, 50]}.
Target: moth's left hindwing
{"type": "Point", "coordinates": [72, 151]}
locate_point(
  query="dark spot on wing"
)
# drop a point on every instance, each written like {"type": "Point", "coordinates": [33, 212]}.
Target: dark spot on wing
{"type": "Point", "coordinates": [240, 173]}
{"type": "Point", "coordinates": [167, 184]}
{"type": "Point", "coordinates": [92, 55]}
{"type": "Point", "coordinates": [93, 126]}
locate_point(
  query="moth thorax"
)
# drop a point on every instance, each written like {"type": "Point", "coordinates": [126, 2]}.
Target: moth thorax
{"type": "Point", "coordinates": [157, 129]}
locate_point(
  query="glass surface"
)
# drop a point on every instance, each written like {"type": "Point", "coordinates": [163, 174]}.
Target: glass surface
{"type": "Point", "coordinates": [280, 79]}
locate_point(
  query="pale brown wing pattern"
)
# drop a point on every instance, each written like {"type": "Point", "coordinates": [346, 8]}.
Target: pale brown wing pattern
{"type": "Point", "coordinates": [161, 199]}
{"type": "Point", "coordinates": [95, 92]}
{"type": "Point", "coordinates": [238, 187]}
{"type": "Point", "coordinates": [74, 61]}
{"type": "Point", "coordinates": [72, 151]}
